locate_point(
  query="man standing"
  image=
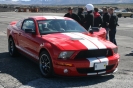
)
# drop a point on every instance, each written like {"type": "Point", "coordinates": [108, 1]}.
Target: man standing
{"type": "Point", "coordinates": [89, 17]}
{"type": "Point", "coordinates": [80, 15]}
{"type": "Point", "coordinates": [97, 18]}
{"type": "Point", "coordinates": [106, 20]}
{"type": "Point", "coordinates": [112, 25]}
{"type": "Point", "coordinates": [70, 14]}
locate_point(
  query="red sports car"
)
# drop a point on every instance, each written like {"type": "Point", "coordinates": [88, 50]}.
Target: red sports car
{"type": "Point", "coordinates": [63, 47]}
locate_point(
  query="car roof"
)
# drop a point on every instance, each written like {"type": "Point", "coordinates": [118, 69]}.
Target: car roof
{"type": "Point", "coordinates": [49, 17]}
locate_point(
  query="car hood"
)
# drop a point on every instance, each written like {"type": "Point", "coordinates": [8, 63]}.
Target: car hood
{"type": "Point", "coordinates": [77, 41]}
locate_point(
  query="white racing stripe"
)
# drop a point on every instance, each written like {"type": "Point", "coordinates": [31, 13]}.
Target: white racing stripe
{"type": "Point", "coordinates": [53, 17]}
{"type": "Point", "coordinates": [85, 42]}
{"type": "Point", "coordinates": [93, 61]}
{"type": "Point", "coordinates": [88, 45]}
{"type": "Point", "coordinates": [58, 17]}
{"type": "Point", "coordinates": [99, 45]}
{"type": "Point", "coordinates": [49, 17]}
{"type": "Point", "coordinates": [104, 59]}
{"type": "Point", "coordinates": [93, 40]}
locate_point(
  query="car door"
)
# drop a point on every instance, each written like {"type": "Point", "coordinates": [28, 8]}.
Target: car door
{"type": "Point", "coordinates": [27, 41]}
{"type": "Point", "coordinates": [125, 13]}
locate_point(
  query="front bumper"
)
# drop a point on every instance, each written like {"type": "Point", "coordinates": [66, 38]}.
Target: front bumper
{"type": "Point", "coordinates": [82, 67]}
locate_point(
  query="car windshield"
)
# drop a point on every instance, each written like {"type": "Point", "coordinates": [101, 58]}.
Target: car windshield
{"type": "Point", "coordinates": [59, 26]}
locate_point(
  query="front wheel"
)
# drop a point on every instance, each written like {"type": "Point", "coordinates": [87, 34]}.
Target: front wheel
{"type": "Point", "coordinates": [45, 64]}
{"type": "Point", "coordinates": [131, 16]}
{"type": "Point", "coordinates": [119, 15]}
{"type": "Point", "coordinates": [11, 47]}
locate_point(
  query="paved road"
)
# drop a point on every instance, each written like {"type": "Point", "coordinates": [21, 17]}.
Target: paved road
{"type": "Point", "coordinates": [20, 72]}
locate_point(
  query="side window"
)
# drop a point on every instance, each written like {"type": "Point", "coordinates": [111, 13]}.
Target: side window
{"type": "Point", "coordinates": [19, 24]}
{"type": "Point", "coordinates": [124, 11]}
{"type": "Point", "coordinates": [28, 24]}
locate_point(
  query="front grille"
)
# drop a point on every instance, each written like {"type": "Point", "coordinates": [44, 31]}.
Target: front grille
{"type": "Point", "coordinates": [94, 53]}
{"type": "Point", "coordinates": [91, 70]}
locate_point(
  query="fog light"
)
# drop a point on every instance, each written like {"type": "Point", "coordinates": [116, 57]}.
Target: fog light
{"type": "Point", "coordinates": [65, 70]}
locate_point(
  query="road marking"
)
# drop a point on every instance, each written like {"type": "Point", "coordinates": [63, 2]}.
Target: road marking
{"type": "Point", "coordinates": [2, 33]}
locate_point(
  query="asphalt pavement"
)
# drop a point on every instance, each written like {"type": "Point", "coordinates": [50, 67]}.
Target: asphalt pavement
{"type": "Point", "coordinates": [20, 72]}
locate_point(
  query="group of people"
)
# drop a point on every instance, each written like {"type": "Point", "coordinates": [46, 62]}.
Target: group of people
{"type": "Point", "coordinates": [92, 18]}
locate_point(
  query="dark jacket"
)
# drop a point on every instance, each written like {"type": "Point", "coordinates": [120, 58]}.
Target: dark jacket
{"type": "Point", "coordinates": [81, 16]}
{"type": "Point", "coordinates": [106, 19]}
{"type": "Point", "coordinates": [97, 20]}
{"type": "Point", "coordinates": [73, 16]}
{"type": "Point", "coordinates": [113, 21]}
{"type": "Point", "coordinates": [89, 20]}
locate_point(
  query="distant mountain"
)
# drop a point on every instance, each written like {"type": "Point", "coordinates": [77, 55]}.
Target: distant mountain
{"type": "Point", "coordinates": [63, 2]}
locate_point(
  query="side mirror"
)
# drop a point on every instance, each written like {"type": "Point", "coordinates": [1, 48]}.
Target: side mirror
{"type": "Point", "coordinates": [30, 31]}
{"type": "Point", "coordinates": [91, 31]}
{"type": "Point", "coordinates": [95, 29]}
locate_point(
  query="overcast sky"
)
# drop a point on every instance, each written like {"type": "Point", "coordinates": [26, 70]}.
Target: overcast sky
{"type": "Point", "coordinates": [15, 0]}
{"type": "Point", "coordinates": [21, 0]}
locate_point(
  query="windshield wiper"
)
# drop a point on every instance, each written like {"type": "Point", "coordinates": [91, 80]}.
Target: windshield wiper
{"type": "Point", "coordinates": [50, 33]}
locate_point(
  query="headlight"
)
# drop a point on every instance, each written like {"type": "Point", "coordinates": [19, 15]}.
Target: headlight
{"type": "Point", "coordinates": [65, 55]}
{"type": "Point", "coordinates": [115, 50]}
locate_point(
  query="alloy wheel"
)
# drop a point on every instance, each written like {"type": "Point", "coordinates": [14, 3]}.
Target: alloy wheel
{"type": "Point", "coordinates": [45, 64]}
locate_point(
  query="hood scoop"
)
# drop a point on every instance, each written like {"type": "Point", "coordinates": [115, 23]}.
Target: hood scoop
{"type": "Point", "coordinates": [76, 39]}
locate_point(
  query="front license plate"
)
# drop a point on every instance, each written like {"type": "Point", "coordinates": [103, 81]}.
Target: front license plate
{"type": "Point", "coordinates": [100, 66]}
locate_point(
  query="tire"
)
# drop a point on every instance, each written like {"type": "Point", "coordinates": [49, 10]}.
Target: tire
{"type": "Point", "coordinates": [119, 15]}
{"type": "Point", "coordinates": [45, 64]}
{"type": "Point", "coordinates": [131, 16]}
{"type": "Point", "coordinates": [11, 47]}
{"type": "Point", "coordinates": [124, 16]}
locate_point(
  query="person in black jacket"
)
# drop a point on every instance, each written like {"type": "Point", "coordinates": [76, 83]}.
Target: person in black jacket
{"type": "Point", "coordinates": [97, 18]}
{"type": "Point", "coordinates": [80, 15]}
{"type": "Point", "coordinates": [72, 15]}
{"type": "Point", "coordinates": [106, 20]}
{"type": "Point", "coordinates": [112, 25]}
{"type": "Point", "coordinates": [89, 17]}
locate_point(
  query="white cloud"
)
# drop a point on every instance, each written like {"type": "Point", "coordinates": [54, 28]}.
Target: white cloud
{"type": "Point", "coordinates": [15, 0]}
{"type": "Point", "coordinates": [21, 0]}
{"type": "Point", "coordinates": [25, 0]}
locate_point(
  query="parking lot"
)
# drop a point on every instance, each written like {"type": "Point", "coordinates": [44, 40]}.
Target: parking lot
{"type": "Point", "coordinates": [20, 72]}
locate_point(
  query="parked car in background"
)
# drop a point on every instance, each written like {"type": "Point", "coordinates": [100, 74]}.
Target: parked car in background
{"type": "Point", "coordinates": [100, 12]}
{"type": "Point", "coordinates": [123, 13]}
